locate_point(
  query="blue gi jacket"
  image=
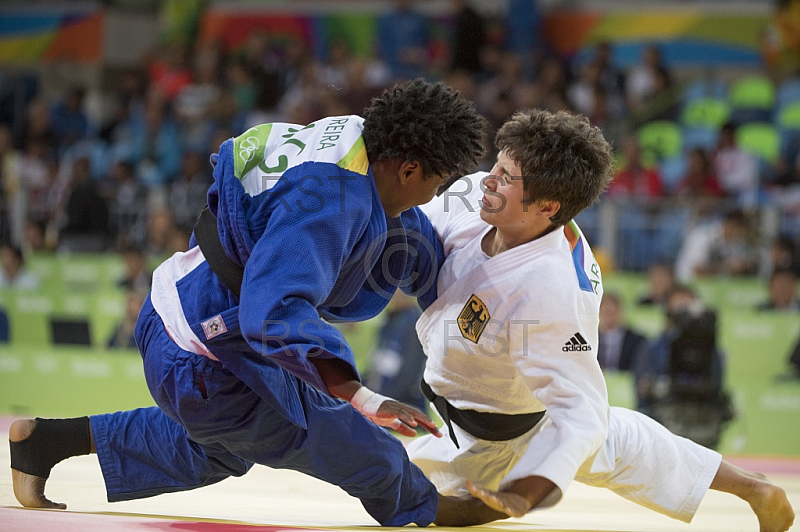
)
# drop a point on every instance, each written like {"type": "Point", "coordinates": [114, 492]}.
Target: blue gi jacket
{"type": "Point", "coordinates": [316, 247]}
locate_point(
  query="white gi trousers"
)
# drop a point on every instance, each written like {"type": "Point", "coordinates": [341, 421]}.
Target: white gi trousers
{"type": "Point", "coordinates": [640, 460]}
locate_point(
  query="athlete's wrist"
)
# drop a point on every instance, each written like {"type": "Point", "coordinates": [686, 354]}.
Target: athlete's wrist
{"type": "Point", "coordinates": [366, 401]}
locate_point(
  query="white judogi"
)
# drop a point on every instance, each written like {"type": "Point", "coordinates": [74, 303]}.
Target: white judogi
{"type": "Point", "coordinates": [517, 333]}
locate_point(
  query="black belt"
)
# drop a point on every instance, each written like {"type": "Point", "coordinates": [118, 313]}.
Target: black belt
{"type": "Point", "coordinates": [207, 236]}
{"type": "Point", "coordinates": [483, 425]}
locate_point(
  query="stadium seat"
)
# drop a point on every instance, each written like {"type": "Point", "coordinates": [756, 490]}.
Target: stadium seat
{"type": "Point", "coordinates": [706, 112]}
{"type": "Point", "coordinates": [660, 140]}
{"type": "Point", "coordinates": [672, 172]}
{"type": "Point", "coordinates": [700, 137]}
{"type": "Point", "coordinates": [761, 139]}
{"type": "Point", "coordinates": [705, 88]}
{"type": "Point", "coordinates": [788, 116]}
{"type": "Point", "coordinates": [788, 92]}
{"type": "Point", "coordinates": [788, 120]}
{"type": "Point", "coordinates": [753, 92]}
{"type": "Point", "coordinates": [752, 99]}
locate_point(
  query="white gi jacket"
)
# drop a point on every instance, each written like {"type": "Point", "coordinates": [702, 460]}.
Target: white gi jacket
{"type": "Point", "coordinates": [517, 333]}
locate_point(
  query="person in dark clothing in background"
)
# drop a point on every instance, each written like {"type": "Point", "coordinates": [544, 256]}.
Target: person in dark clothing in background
{"type": "Point", "coordinates": [87, 213]}
{"type": "Point", "coordinates": [468, 38]}
{"type": "Point", "coordinates": [619, 346]}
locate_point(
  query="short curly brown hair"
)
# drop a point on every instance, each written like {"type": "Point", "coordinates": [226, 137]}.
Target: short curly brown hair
{"type": "Point", "coordinates": [425, 122]}
{"type": "Point", "coordinates": [562, 158]}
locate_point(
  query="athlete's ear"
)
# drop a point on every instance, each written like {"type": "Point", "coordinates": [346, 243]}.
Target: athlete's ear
{"type": "Point", "coordinates": [409, 170]}
{"type": "Point", "coordinates": [549, 208]}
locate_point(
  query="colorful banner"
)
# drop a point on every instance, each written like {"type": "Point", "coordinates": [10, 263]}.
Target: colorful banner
{"type": "Point", "coordinates": [687, 38]}
{"type": "Point", "coordinates": [35, 35]}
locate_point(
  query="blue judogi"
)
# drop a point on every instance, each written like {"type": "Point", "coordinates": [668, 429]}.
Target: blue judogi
{"type": "Point", "coordinates": [314, 244]}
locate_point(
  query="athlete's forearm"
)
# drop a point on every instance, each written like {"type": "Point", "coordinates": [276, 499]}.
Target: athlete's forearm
{"type": "Point", "coordinates": [338, 377]}
{"type": "Point", "coordinates": [534, 489]}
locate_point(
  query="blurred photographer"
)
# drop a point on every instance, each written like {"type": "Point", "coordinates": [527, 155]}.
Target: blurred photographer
{"type": "Point", "coordinates": [679, 380]}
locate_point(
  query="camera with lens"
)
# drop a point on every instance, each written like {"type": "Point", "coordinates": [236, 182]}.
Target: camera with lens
{"type": "Point", "coordinates": [692, 353]}
{"type": "Point", "coordinates": [692, 402]}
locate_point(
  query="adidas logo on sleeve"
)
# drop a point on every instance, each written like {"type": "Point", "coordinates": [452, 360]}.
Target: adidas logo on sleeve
{"type": "Point", "coordinates": [577, 343]}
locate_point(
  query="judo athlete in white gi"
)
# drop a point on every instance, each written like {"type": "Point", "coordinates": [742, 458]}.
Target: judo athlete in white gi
{"type": "Point", "coordinates": [512, 346]}
{"type": "Point", "coordinates": [305, 223]}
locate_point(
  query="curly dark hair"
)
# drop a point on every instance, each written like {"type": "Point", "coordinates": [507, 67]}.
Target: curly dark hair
{"type": "Point", "coordinates": [425, 122]}
{"type": "Point", "coordinates": [562, 158]}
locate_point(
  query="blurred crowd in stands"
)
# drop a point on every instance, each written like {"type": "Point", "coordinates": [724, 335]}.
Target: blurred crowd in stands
{"type": "Point", "coordinates": [695, 171]}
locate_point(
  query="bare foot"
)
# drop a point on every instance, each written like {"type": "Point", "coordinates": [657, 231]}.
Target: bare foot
{"type": "Point", "coordinates": [29, 489]}
{"type": "Point", "coordinates": [771, 506]}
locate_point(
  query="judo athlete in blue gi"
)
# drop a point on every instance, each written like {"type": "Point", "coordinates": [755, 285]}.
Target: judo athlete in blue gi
{"type": "Point", "coordinates": [319, 224]}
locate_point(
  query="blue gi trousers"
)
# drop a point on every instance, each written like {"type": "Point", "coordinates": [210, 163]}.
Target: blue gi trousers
{"type": "Point", "coordinates": [209, 425]}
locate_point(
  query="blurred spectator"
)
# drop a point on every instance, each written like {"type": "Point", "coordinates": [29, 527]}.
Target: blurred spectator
{"type": "Point", "coordinates": [549, 91]}
{"type": "Point", "coordinates": [463, 82]}
{"type": "Point", "coordinates": [502, 94]}
{"type": "Point", "coordinates": [188, 193]}
{"type": "Point", "coordinates": [640, 84]}
{"type": "Point", "coordinates": [611, 78]}
{"type": "Point", "coordinates": [49, 201]}
{"type": "Point", "coordinates": [581, 93]}
{"type": "Point", "coordinates": [33, 173]}
{"type": "Point", "coordinates": [178, 241]}
{"type": "Point", "coordinates": [679, 378]}
{"type": "Point", "coordinates": [660, 281]}
{"type": "Point", "coordinates": [12, 270]}
{"type": "Point", "coordinates": [782, 292]}
{"type": "Point", "coordinates": [128, 101]}
{"type": "Point", "coordinates": [160, 229]}
{"type": "Point", "coordinates": [468, 38]}
{"type": "Point", "coordinates": [87, 226]}
{"type": "Point", "coordinates": [193, 103]}
{"type": "Point", "coordinates": [10, 185]}
{"type": "Point", "coordinates": [403, 40]}
{"type": "Point", "coordinates": [366, 79]}
{"type": "Point", "coordinates": [699, 181]}
{"type": "Point", "coordinates": [720, 247]}
{"type": "Point", "coordinates": [784, 255]}
{"type": "Point", "coordinates": [336, 71]}
{"type": "Point", "coordinates": [664, 101]}
{"type": "Point", "coordinates": [127, 196]}
{"type": "Point", "coordinates": [122, 336]}
{"type": "Point", "coordinates": [607, 115]}
{"type": "Point", "coordinates": [69, 121]}
{"type": "Point", "coordinates": [653, 367]}
{"type": "Point", "coordinates": [301, 101]}
{"type": "Point", "coordinates": [398, 360]}
{"type": "Point", "coordinates": [242, 85]}
{"type": "Point", "coordinates": [268, 97]}
{"type": "Point", "coordinates": [619, 346]}
{"type": "Point", "coordinates": [5, 330]}
{"type": "Point", "coordinates": [35, 237]}
{"type": "Point", "coordinates": [38, 125]}
{"type": "Point", "coordinates": [737, 170]}
{"type": "Point", "coordinates": [157, 146]}
{"type": "Point", "coordinates": [523, 27]}
{"type": "Point", "coordinates": [794, 359]}
{"type": "Point", "coordinates": [136, 275]}
{"type": "Point", "coordinates": [634, 180]}
{"type": "Point", "coordinates": [169, 72]}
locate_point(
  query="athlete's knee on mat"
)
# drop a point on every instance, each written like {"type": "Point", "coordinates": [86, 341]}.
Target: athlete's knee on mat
{"type": "Point", "coordinates": [377, 477]}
